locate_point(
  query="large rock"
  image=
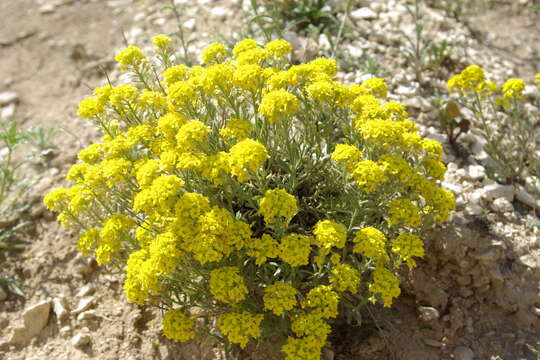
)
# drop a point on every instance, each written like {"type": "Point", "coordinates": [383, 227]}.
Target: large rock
{"type": "Point", "coordinates": [494, 191]}
{"type": "Point", "coordinates": [35, 318]}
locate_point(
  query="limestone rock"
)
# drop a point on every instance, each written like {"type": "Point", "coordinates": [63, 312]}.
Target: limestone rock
{"type": "Point", "coordinates": [494, 191]}
{"type": "Point", "coordinates": [8, 97]}
{"type": "Point", "coordinates": [463, 353]}
{"type": "Point", "coordinates": [36, 316]}
{"type": "Point", "coordinates": [59, 308]}
{"type": "Point", "coordinates": [84, 304]}
{"type": "Point", "coordinates": [364, 13]}
{"type": "Point", "coordinates": [80, 340]}
{"type": "Point", "coordinates": [427, 313]}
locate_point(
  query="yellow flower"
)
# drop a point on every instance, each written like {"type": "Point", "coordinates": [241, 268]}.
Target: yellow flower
{"type": "Point", "coordinates": [376, 86]}
{"type": "Point", "coordinates": [277, 205]}
{"type": "Point", "coordinates": [371, 242]}
{"type": "Point", "coordinates": [191, 134]}
{"type": "Point", "coordinates": [278, 48]}
{"type": "Point", "coordinates": [263, 248]}
{"type": "Point", "coordinates": [278, 104]}
{"type": "Point", "coordinates": [513, 88]}
{"type": "Point", "coordinates": [131, 56]}
{"type": "Point", "coordinates": [386, 284]}
{"type": "Point", "coordinates": [244, 45]}
{"type": "Point", "coordinates": [236, 129]}
{"type": "Point", "coordinates": [310, 324]}
{"type": "Point", "coordinates": [248, 77]}
{"type": "Point", "coordinates": [368, 175]}
{"type": "Point", "coordinates": [408, 245]}
{"type": "Point", "coordinates": [239, 328]}
{"type": "Point", "coordinates": [174, 74]}
{"type": "Point", "coordinates": [90, 107]}
{"type": "Point", "coordinates": [181, 94]}
{"type": "Point", "coordinates": [279, 297]}
{"type": "Point", "coordinates": [323, 301]}
{"type": "Point", "coordinates": [344, 277]}
{"type": "Point", "coordinates": [178, 326]}
{"type": "Point", "coordinates": [349, 155]}
{"type": "Point", "coordinates": [305, 348]}
{"type": "Point", "coordinates": [161, 41]}
{"type": "Point", "coordinates": [329, 234]}
{"type": "Point", "coordinates": [403, 212]}
{"type": "Point", "coordinates": [227, 285]}
{"type": "Point", "coordinates": [295, 249]}
{"type": "Point", "coordinates": [214, 52]}
{"type": "Point", "coordinates": [246, 156]}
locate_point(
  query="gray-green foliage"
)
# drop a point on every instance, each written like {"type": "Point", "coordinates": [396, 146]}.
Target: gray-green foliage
{"type": "Point", "coordinates": [17, 148]}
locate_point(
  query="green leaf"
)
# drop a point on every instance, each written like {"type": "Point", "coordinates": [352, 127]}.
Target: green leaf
{"type": "Point", "coordinates": [452, 110]}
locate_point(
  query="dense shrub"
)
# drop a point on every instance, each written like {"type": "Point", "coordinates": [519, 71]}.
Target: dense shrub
{"type": "Point", "coordinates": [262, 194]}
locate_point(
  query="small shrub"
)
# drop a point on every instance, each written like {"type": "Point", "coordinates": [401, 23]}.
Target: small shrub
{"type": "Point", "coordinates": [262, 194]}
{"type": "Point", "coordinates": [501, 118]}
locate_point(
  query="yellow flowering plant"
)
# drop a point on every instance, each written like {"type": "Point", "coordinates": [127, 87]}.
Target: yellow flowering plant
{"type": "Point", "coordinates": [265, 195]}
{"type": "Point", "coordinates": [502, 118]}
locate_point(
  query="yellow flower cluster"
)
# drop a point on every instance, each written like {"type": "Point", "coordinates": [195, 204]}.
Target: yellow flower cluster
{"type": "Point", "coordinates": [278, 205]}
{"type": "Point", "coordinates": [177, 326]}
{"type": "Point", "coordinates": [227, 285]}
{"type": "Point", "coordinates": [279, 297]}
{"type": "Point", "coordinates": [254, 191]}
{"type": "Point", "coordinates": [329, 234]}
{"type": "Point", "coordinates": [295, 249]}
{"type": "Point", "coordinates": [345, 278]}
{"type": "Point", "coordinates": [239, 328]}
{"type": "Point", "coordinates": [408, 245]}
{"type": "Point", "coordinates": [472, 79]}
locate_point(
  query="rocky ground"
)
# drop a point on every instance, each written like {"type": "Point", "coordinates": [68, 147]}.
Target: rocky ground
{"type": "Point", "coordinates": [475, 296]}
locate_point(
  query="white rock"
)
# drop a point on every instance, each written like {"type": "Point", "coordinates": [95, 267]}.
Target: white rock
{"type": "Point", "coordinates": [536, 311]}
{"type": "Point", "coordinates": [364, 13]}
{"type": "Point", "coordinates": [473, 209]}
{"type": "Point", "coordinates": [84, 304]}
{"type": "Point", "coordinates": [475, 198]}
{"type": "Point", "coordinates": [87, 315]}
{"type": "Point", "coordinates": [3, 294]}
{"type": "Point", "coordinates": [525, 197]}
{"type": "Point", "coordinates": [65, 331]}
{"type": "Point", "coordinates": [355, 51]}
{"type": "Point", "coordinates": [190, 24]}
{"type": "Point", "coordinates": [8, 97]}
{"type": "Point", "coordinates": [80, 340]}
{"type": "Point", "coordinates": [463, 353]}
{"type": "Point", "coordinates": [501, 205]}
{"type": "Point", "coordinates": [476, 172]}
{"type": "Point", "coordinates": [160, 21]}
{"type": "Point", "coordinates": [219, 12]}
{"type": "Point", "coordinates": [409, 90]}
{"type": "Point", "coordinates": [36, 316]}
{"type": "Point", "coordinates": [324, 42]}
{"type": "Point", "coordinates": [46, 8]}
{"type": "Point", "coordinates": [85, 291]}
{"type": "Point", "coordinates": [59, 308]}
{"type": "Point", "coordinates": [8, 112]}
{"type": "Point", "coordinates": [494, 191]}
{"type": "Point", "coordinates": [532, 184]}
{"type": "Point", "coordinates": [427, 313]}
{"type": "Point", "coordinates": [377, 6]}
